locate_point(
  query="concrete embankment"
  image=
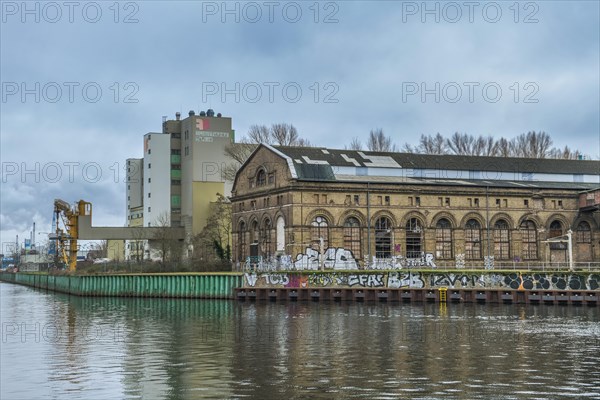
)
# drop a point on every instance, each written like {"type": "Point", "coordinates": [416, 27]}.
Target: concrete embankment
{"type": "Point", "coordinates": [521, 287]}
{"type": "Point", "coordinates": [205, 286]}
{"type": "Point", "coordinates": [489, 286]}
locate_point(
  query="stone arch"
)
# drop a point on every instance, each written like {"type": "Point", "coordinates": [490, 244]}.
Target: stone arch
{"type": "Point", "coordinates": [352, 213]}
{"type": "Point", "coordinates": [584, 218]}
{"type": "Point", "coordinates": [473, 215]}
{"type": "Point", "coordinates": [566, 225]}
{"type": "Point", "coordinates": [319, 212]}
{"type": "Point", "coordinates": [383, 213]}
{"type": "Point", "coordinates": [498, 216]}
{"type": "Point", "coordinates": [530, 216]}
{"type": "Point", "coordinates": [241, 220]}
{"type": "Point", "coordinates": [413, 214]}
{"type": "Point", "coordinates": [443, 214]}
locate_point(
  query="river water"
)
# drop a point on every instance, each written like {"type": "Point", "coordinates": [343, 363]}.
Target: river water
{"type": "Point", "coordinates": [66, 347]}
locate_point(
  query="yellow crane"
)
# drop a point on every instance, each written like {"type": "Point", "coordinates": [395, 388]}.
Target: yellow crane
{"type": "Point", "coordinates": [66, 240]}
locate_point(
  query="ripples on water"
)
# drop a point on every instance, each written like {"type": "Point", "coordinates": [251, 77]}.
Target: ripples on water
{"type": "Point", "coordinates": [56, 346]}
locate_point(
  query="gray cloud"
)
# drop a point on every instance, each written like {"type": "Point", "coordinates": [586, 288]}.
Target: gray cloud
{"type": "Point", "coordinates": [363, 61]}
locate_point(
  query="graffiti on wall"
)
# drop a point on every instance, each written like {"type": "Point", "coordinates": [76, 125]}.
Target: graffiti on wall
{"type": "Point", "coordinates": [335, 258]}
{"type": "Point", "coordinates": [398, 262]}
{"type": "Point", "coordinates": [398, 280]}
{"type": "Point", "coordinates": [420, 280]}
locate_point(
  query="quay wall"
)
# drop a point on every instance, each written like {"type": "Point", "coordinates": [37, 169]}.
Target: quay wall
{"type": "Point", "coordinates": [206, 286]}
{"type": "Point", "coordinates": [499, 280]}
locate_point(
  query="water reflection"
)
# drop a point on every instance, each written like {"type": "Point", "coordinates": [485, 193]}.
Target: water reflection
{"type": "Point", "coordinates": [186, 349]}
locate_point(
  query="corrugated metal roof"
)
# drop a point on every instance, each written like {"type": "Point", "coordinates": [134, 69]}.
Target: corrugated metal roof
{"type": "Point", "coordinates": [350, 158]}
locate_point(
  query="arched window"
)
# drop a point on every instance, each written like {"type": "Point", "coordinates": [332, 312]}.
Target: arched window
{"type": "Point", "coordinates": [583, 234]}
{"type": "Point", "coordinates": [280, 234]}
{"type": "Point", "coordinates": [556, 229]}
{"type": "Point", "coordinates": [261, 177]}
{"type": "Point", "coordinates": [383, 237]}
{"type": "Point", "coordinates": [265, 236]}
{"type": "Point", "coordinates": [352, 237]}
{"type": "Point", "coordinates": [529, 240]}
{"type": "Point", "coordinates": [414, 238]}
{"type": "Point", "coordinates": [443, 239]}
{"type": "Point", "coordinates": [254, 232]}
{"type": "Point", "coordinates": [242, 242]}
{"type": "Point", "coordinates": [473, 240]}
{"type": "Point", "coordinates": [501, 240]}
{"type": "Point", "coordinates": [319, 229]}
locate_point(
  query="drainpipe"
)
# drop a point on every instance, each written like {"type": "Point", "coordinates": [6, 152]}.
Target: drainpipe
{"type": "Point", "coordinates": [368, 227]}
{"type": "Point", "coordinates": [487, 219]}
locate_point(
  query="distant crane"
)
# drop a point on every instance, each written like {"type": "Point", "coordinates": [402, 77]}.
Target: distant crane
{"type": "Point", "coordinates": [66, 239]}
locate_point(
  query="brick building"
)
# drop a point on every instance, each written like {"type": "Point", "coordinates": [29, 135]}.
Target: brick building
{"type": "Point", "coordinates": [362, 209]}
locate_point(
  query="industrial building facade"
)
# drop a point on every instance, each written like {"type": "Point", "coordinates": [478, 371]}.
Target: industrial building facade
{"type": "Point", "coordinates": [345, 209]}
{"type": "Point", "coordinates": [178, 177]}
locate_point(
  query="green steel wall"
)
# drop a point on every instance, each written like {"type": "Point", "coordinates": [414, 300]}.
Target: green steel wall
{"type": "Point", "coordinates": [209, 286]}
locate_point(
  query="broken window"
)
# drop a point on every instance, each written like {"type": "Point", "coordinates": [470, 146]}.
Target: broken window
{"type": "Point", "coordinates": [383, 237]}
{"type": "Point", "coordinates": [501, 240]}
{"type": "Point", "coordinates": [414, 238]}
{"type": "Point", "coordinates": [352, 240]}
{"type": "Point", "coordinates": [473, 240]}
{"type": "Point", "coordinates": [443, 239]}
{"type": "Point", "coordinates": [529, 240]}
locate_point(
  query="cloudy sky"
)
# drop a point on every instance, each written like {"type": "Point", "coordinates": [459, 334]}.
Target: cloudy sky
{"type": "Point", "coordinates": [83, 81]}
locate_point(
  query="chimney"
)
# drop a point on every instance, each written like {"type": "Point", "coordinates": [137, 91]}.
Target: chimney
{"type": "Point", "coordinates": [177, 116]}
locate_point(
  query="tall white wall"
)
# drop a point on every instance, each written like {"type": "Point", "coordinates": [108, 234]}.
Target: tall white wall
{"type": "Point", "coordinates": [157, 177]}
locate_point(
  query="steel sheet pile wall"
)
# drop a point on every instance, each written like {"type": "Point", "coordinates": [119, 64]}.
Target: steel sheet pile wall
{"type": "Point", "coordinates": [209, 286]}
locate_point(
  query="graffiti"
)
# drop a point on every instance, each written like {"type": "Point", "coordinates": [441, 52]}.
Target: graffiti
{"type": "Point", "coordinates": [460, 261]}
{"type": "Point", "coordinates": [593, 282]}
{"type": "Point", "coordinates": [488, 262]}
{"type": "Point", "coordinates": [277, 279]}
{"type": "Point", "coordinates": [251, 279]}
{"type": "Point", "coordinates": [320, 280]}
{"type": "Point", "coordinates": [405, 280]}
{"type": "Point", "coordinates": [297, 281]}
{"type": "Point", "coordinates": [550, 282]}
{"type": "Point", "coordinates": [334, 279]}
{"type": "Point", "coordinates": [340, 259]}
{"type": "Point", "coordinates": [399, 262]}
{"type": "Point", "coordinates": [370, 280]}
{"type": "Point", "coordinates": [454, 280]}
{"type": "Point", "coordinates": [419, 280]}
{"type": "Point", "coordinates": [334, 258]}
{"type": "Point", "coordinates": [286, 261]}
{"type": "Point", "coordinates": [395, 262]}
{"type": "Point", "coordinates": [426, 260]}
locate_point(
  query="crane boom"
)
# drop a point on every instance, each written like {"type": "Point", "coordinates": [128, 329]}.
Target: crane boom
{"type": "Point", "coordinates": [67, 241]}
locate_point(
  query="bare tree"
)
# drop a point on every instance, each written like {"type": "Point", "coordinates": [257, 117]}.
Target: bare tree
{"type": "Point", "coordinates": [530, 145]}
{"type": "Point", "coordinates": [168, 246]}
{"type": "Point", "coordinates": [259, 134]}
{"type": "Point", "coordinates": [430, 145]}
{"type": "Point", "coordinates": [379, 141]}
{"type": "Point", "coordinates": [282, 134]}
{"type": "Point", "coordinates": [355, 144]}
{"type": "Point", "coordinates": [214, 242]}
